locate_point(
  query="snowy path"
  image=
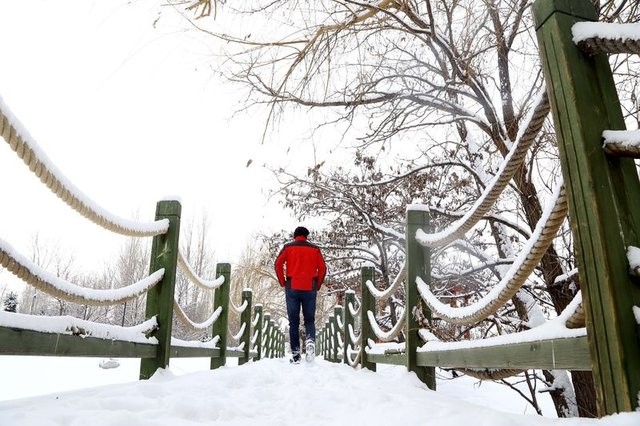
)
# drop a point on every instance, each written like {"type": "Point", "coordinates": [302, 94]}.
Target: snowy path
{"type": "Point", "coordinates": [273, 392]}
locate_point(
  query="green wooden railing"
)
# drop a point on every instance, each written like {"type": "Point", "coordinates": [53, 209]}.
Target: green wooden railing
{"type": "Point", "coordinates": [598, 182]}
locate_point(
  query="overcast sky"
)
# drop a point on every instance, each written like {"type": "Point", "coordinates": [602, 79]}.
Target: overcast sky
{"type": "Point", "coordinates": [128, 104]}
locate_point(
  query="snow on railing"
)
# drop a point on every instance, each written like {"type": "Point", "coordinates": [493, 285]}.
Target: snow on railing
{"type": "Point", "coordinates": [48, 283]}
{"type": "Point", "coordinates": [622, 142]}
{"type": "Point", "coordinates": [194, 278]}
{"type": "Point", "coordinates": [605, 37]}
{"type": "Point", "coordinates": [552, 218]}
{"type": "Point", "coordinates": [20, 141]}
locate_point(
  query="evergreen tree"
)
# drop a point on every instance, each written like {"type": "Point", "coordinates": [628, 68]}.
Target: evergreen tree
{"type": "Point", "coordinates": [11, 302]}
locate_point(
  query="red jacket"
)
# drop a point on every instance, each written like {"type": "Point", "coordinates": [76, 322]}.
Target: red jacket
{"type": "Point", "coordinates": [305, 267]}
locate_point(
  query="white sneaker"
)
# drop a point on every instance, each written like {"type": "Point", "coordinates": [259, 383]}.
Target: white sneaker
{"type": "Point", "coordinates": [310, 350]}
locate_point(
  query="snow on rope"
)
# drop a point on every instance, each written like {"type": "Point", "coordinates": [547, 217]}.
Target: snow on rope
{"type": "Point", "coordinates": [386, 336]}
{"type": "Point", "coordinates": [350, 352]}
{"type": "Point", "coordinates": [377, 294]}
{"type": "Point", "coordinates": [238, 309]}
{"type": "Point", "coordinates": [195, 326]}
{"type": "Point", "coordinates": [240, 332]}
{"type": "Point", "coordinates": [194, 278]}
{"type": "Point", "coordinates": [604, 37]}
{"type": "Point", "coordinates": [352, 335]}
{"type": "Point", "coordinates": [15, 134]}
{"type": "Point", "coordinates": [508, 167]}
{"type": "Point", "coordinates": [623, 143]}
{"type": "Point", "coordinates": [546, 229]}
{"type": "Point", "coordinates": [48, 283]}
{"type": "Point", "coordinates": [254, 321]}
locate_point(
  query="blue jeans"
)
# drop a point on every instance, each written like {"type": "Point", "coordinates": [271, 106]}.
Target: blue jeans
{"type": "Point", "coordinates": [306, 300]}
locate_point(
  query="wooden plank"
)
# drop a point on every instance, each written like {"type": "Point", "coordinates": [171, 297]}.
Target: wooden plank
{"type": "Point", "coordinates": [28, 342]}
{"type": "Point", "coordinates": [418, 265]}
{"type": "Point", "coordinates": [367, 273]}
{"type": "Point", "coordinates": [220, 327]}
{"type": "Point", "coordinates": [192, 352]}
{"type": "Point", "coordinates": [164, 254]}
{"type": "Point", "coordinates": [604, 198]}
{"type": "Point", "coordinates": [557, 354]}
{"type": "Point", "coordinates": [393, 359]}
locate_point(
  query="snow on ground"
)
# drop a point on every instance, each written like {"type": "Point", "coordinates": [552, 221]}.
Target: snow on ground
{"type": "Point", "coordinates": [267, 392]}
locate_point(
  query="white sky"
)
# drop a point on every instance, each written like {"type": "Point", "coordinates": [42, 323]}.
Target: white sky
{"type": "Point", "coordinates": [269, 392]}
{"type": "Point", "coordinates": [130, 114]}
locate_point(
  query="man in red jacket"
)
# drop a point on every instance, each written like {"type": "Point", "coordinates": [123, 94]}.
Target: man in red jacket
{"type": "Point", "coordinates": [304, 274]}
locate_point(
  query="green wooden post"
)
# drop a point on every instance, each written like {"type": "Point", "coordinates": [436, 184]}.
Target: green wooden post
{"type": "Point", "coordinates": [367, 273]}
{"type": "Point", "coordinates": [418, 265]}
{"type": "Point", "coordinates": [164, 254]}
{"type": "Point", "coordinates": [221, 299]}
{"type": "Point", "coordinates": [349, 322]}
{"type": "Point", "coordinates": [267, 335]}
{"type": "Point", "coordinates": [339, 316]}
{"type": "Point", "coordinates": [245, 318]}
{"type": "Point", "coordinates": [604, 199]}
{"type": "Point", "coordinates": [259, 324]}
{"type": "Point", "coordinates": [333, 326]}
{"type": "Point", "coordinates": [273, 336]}
{"type": "Point", "coordinates": [327, 344]}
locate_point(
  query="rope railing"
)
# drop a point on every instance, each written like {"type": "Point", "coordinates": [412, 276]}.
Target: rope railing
{"type": "Point", "coordinates": [386, 336]}
{"type": "Point", "coordinates": [29, 152]}
{"type": "Point", "coordinates": [188, 271]}
{"type": "Point", "coordinates": [195, 326]}
{"type": "Point", "coordinates": [542, 237]}
{"type": "Point", "coordinates": [59, 288]}
{"type": "Point", "coordinates": [588, 37]}
{"type": "Point", "coordinates": [238, 309]}
{"type": "Point", "coordinates": [492, 191]}
{"type": "Point", "coordinates": [392, 288]}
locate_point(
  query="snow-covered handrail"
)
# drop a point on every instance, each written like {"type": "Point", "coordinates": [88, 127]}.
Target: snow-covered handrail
{"type": "Point", "coordinates": [74, 326]}
{"type": "Point", "coordinates": [354, 312]}
{"type": "Point", "coordinates": [377, 294]}
{"type": "Point", "coordinates": [254, 338]}
{"type": "Point", "coordinates": [340, 323]}
{"type": "Point", "coordinates": [386, 336]}
{"type": "Point", "coordinates": [238, 309]}
{"type": "Point", "coordinates": [604, 37]}
{"type": "Point", "coordinates": [356, 360]}
{"type": "Point", "coordinates": [546, 229]}
{"type": "Point", "coordinates": [15, 134]}
{"type": "Point", "coordinates": [256, 318]}
{"type": "Point", "coordinates": [194, 278]}
{"type": "Point", "coordinates": [352, 335]}
{"type": "Point", "coordinates": [240, 332]}
{"type": "Point", "coordinates": [622, 143]}
{"type": "Point", "coordinates": [193, 326]}
{"type": "Point", "coordinates": [509, 166]}
{"type": "Point", "coordinates": [48, 283]}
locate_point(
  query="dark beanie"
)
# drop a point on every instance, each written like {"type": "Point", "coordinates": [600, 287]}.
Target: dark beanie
{"type": "Point", "coordinates": [301, 231]}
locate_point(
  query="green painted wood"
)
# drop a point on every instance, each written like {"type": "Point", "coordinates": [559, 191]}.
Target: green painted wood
{"type": "Point", "coordinates": [259, 325]}
{"type": "Point", "coordinates": [221, 325]}
{"type": "Point", "coordinates": [418, 265]}
{"type": "Point", "coordinates": [235, 353]}
{"type": "Point", "coordinates": [327, 344]}
{"type": "Point", "coordinates": [245, 318]}
{"type": "Point", "coordinates": [349, 322]}
{"type": "Point", "coordinates": [604, 199]}
{"type": "Point", "coordinates": [267, 336]}
{"type": "Point", "coordinates": [164, 254]}
{"type": "Point", "coordinates": [556, 354]}
{"type": "Point", "coordinates": [393, 359]}
{"type": "Point", "coordinates": [334, 337]}
{"type": "Point", "coordinates": [191, 352]}
{"type": "Point", "coordinates": [368, 301]}
{"type": "Point", "coordinates": [27, 342]}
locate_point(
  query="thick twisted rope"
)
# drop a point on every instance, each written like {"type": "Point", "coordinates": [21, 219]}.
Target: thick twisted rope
{"type": "Point", "coordinates": [350, 351]}
{"type": "Point", "coordinates": [387, 336]}
{"type": "Point", "coordinates": [489, 374]}
{"type": "Point", "coordinates": [54, 286]}
{"type": "Point", "coordinates": [194, 278]}
{"type": "Point", "coordinates": [29, 152]}
{"type": "Point", "coordinates": [510, 165]}
{"type": "Point", "coordinates": [587, 36]}
{"type": "Point", "coordinates": [240, 332]}
{"type": "Point", "coordinates": [238, 309]}
{"type": "Point", "coordinates": [182, 317]}
{"type": "Point", "coordinates": [524, 265]}
{"type": "Point", "coordinates": [596, 45]}
{"type": "Point", "coordinates": [377, 294]}
{"type": "Point", "coordinates": [354, 312]}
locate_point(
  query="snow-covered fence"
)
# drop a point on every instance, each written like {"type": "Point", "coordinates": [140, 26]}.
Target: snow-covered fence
{"type": "Point", "coordinates": [150, 341]}
{"type": "Point", "coordinates": [603, 189]}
